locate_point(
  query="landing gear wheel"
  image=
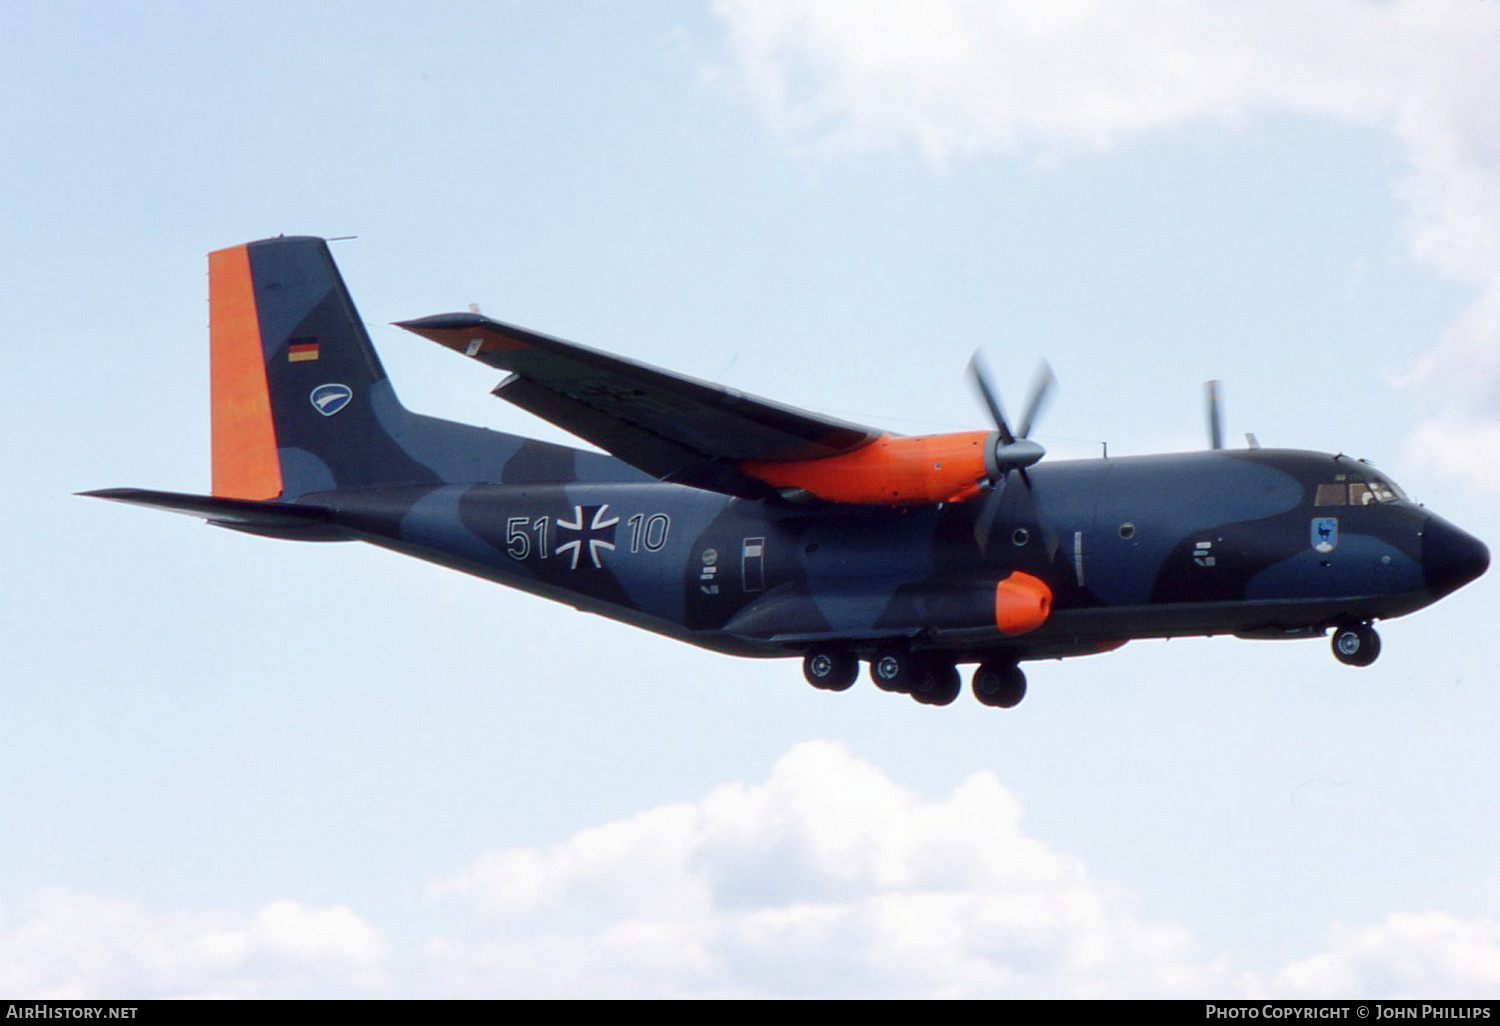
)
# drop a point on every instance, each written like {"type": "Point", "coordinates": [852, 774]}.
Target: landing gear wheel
{"type": "Point", "coordinates": [829, 669]}
{"type": "Point", "coordinates": [895, 669]}
{"type": "Point", "coordinates": [939, 685]}
{"type": "Point", "coordinates": [999, 684]}
{"type": "Point", "coordinates": [1356, 645]}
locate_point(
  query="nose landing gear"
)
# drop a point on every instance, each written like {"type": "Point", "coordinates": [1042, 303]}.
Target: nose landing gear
{"type": "Point", "coordinates": [1356, 644]}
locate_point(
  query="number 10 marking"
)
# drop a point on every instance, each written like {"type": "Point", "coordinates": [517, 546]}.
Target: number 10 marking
{"type": "Point", "coordinates": [649, 531]}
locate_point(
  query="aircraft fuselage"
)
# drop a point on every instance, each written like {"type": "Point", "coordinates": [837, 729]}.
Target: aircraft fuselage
{"type": "Point", "coordinates": [1151, 546]}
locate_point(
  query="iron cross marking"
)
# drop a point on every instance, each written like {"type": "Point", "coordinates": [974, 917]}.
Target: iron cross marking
{"type": "Point", "coordinates": [587, 528]}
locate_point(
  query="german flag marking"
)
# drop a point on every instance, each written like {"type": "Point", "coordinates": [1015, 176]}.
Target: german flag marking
{"type": "Point", "coordinates": [301, 351]}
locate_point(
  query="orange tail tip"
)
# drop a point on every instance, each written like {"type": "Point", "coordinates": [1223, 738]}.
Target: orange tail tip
{"type": "Point", "coordinates": [1022, 603]}
{"type": "Point", "coordinates": [245, 463]}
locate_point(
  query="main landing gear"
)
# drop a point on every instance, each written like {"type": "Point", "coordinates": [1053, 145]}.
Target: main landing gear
{"type": "Point", "coordinates": [829, 669]}
{"type": "Point", "coordinates": [1356, 644]}
{"type": "Point", "coordinates": [930, 679]}
{"type": "Point", "coordinates": [999, 684]}
{"type": "Point", "coordinates": [927, 677]}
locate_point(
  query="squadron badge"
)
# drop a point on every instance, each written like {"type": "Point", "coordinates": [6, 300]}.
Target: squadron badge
{"type": "Point", "coordinates": [1325, 533]}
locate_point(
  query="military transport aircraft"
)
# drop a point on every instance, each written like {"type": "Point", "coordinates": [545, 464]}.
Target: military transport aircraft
{"type": "Point", "coordinates": [756, 529]}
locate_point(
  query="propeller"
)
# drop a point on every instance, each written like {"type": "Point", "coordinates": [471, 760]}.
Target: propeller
{"type": "Point", "coordinates": [1213, 393]}
{"type": "Point", "coordinates": [1215, 414]}
{"type": "Point", "coordinates": [1013, 451]}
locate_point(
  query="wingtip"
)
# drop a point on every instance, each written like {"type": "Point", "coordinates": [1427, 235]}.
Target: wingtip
{"type": "Point", "coordinates": [443, 322]}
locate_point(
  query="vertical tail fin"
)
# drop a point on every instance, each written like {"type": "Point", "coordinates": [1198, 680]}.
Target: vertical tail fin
{"type": "Point", "coordinates": [300, 401]}
{"type": "Point", "coordinates": [302, 406]}
{"type": "Point", "coordinates": [245, 465]}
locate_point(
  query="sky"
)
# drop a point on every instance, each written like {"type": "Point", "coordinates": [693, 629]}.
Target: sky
{"type": "Point", "coordinates": [240, 767]}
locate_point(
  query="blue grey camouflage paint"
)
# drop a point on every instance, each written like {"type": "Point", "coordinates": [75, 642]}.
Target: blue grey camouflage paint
{"type": "Point", "coordinates": [1257, 543]}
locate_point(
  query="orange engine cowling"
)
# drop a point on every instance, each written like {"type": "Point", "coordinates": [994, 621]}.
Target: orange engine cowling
{"type": "Point", "coordinates": [1022, 603]}
{"type": "Point", "coordinates": [921, 470]}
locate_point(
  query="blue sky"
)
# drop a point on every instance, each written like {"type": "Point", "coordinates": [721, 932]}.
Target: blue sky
{"type": "Point", "coordinates": [245, 767]}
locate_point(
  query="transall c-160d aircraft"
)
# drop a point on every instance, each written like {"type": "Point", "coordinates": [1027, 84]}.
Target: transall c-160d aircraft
{"type": "Point", "coordinates": [756, 529]}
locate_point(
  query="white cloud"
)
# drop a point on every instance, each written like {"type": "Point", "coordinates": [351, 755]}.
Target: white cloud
{"type": "Point", "coordinates": [961, 76]}
{"type": "Point", "coordinates": [1408, 955]}
{"type": "Point", "coordinates": [830, 880]}
{"type": "Point", "coordinates": [950, 78]}
{"type": "Point", "coordinates": [1457, 445]}
{"type": "Point", "coordinates": [70, 945]}
{"type": "Point", "coordinates": [826, 880]}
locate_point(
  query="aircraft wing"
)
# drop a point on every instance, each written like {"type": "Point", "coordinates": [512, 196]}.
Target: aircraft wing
{"type": "Point", "coordinates": [672, 426]}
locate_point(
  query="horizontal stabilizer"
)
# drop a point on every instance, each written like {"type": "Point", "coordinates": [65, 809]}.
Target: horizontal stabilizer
{"type": "Point", "coordinates": [273, 519]}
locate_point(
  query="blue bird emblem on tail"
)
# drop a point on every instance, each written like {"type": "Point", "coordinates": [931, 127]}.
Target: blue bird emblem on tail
{"type": "Point", "coordinates": [330, 399]}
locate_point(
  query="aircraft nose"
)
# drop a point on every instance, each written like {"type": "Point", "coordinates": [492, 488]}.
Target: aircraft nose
{"type": "Point", "coordinates": [1450, 558]}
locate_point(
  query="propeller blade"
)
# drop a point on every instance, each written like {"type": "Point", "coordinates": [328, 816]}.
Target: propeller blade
{"type": "Point", "coordinates": [984, 523]}
{"type": "Point", "coordinates": [1041, 391]}
{"type": "Point", "coordinates": [989, 512]}
{"type": "Point", "coordinates": [1049, 532]}
{"type": "Point", "coordinates": [981, 379]}
{"type": "Point", "coordinates": [1215, 416]}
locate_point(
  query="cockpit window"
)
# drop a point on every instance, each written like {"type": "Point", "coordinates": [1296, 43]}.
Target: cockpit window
{"type": "Point", "coordinates": [1355, 490]}
{"type": "Point", "coordinates": [1332, 495]}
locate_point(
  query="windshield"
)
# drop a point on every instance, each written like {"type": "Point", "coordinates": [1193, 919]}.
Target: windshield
{"type": "Point", "coordinates": [1357, 490]}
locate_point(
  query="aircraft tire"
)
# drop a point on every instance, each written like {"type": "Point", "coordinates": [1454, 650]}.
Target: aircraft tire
{"type": "Point", "coordinates": [1356, 645]}
{"type": "Point", "coordinates": [829, 668]}
{"type": "Point", "coordinates": [938, 685]}
{"type": "Point", "coordinates": [1000, 685]}
{"type": "Point", "coordinates": [895, 669]}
